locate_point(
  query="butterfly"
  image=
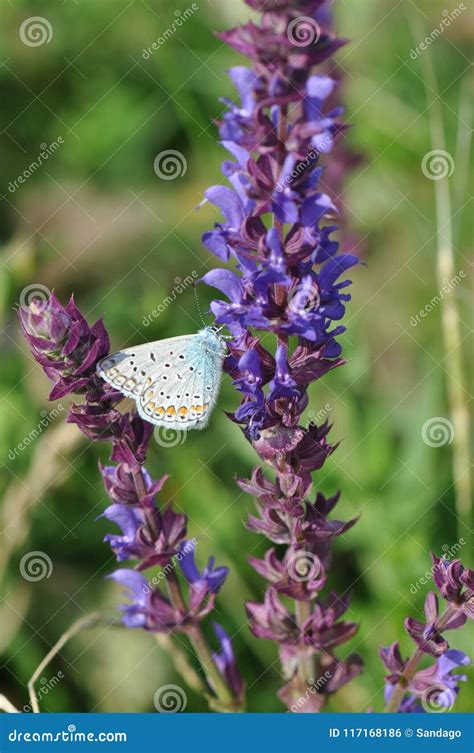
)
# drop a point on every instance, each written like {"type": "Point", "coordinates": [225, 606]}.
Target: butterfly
{"type": "Point", "coordinates": [174, 382]}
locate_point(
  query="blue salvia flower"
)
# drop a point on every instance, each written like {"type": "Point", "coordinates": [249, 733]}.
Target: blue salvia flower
{"type": "Point", "coordinates": [283, 301]}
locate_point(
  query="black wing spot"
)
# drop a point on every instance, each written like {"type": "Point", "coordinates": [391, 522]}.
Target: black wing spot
{"type": "Point", "coordinates": [153, 357]}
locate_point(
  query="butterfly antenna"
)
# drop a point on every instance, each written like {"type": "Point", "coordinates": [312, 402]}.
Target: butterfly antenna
{"type": "Point", "coordinates": [199, 307]}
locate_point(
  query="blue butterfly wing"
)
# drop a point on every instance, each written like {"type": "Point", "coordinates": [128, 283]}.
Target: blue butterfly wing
{"type": "Point", "coordinates": [175, 382]}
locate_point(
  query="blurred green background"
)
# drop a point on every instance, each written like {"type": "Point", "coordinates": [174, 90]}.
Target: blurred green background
{"type": "Point", "coordinates": [95, 219]}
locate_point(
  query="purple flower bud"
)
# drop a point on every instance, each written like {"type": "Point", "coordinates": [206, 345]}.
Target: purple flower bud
{"type": "Point", "coordinates": [226, 662]}
{"type": "Point", "coordinates": [455, 583]}
{"type": "Point", "coordinates": [63, 344]}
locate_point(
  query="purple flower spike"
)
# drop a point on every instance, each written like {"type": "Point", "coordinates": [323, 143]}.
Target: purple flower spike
{"type": "Point", "coordinates": [285, 295]}
{"type": "Point", "coordinates": [68, 350]}
{"type": "Point", "coordinates": [436, 685]}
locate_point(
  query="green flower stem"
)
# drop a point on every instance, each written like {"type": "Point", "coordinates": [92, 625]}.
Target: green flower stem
{"type": "Point", "coordinates": [457, 393]}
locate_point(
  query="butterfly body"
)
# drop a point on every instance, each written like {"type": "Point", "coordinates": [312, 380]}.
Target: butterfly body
{"type": "Point", "coordinates": [175, 382]}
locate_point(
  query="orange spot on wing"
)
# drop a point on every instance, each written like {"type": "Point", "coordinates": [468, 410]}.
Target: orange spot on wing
{"type": "Point", "coordinates": [171, 411]}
